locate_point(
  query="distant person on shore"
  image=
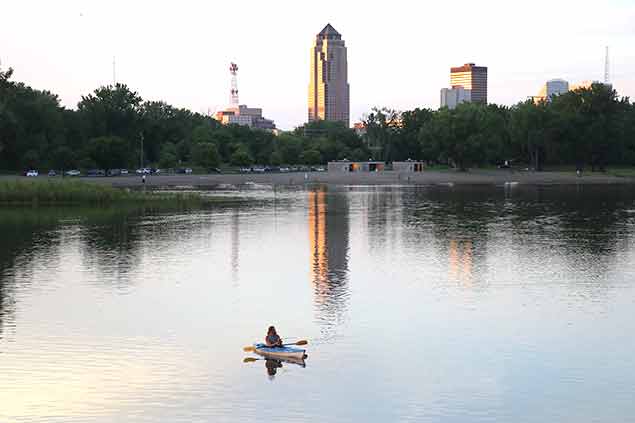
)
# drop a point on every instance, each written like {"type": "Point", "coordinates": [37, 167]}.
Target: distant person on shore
{"type": "Point", "coordinates": [578, 169]}
{"type": "Point", "coordinates": [272, 339]}
{"type": "Point", "coordinates": [143, 179]}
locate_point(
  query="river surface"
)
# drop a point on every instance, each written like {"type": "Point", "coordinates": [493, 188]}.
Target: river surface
{"type": "Point", "coordinates": [419, 304]}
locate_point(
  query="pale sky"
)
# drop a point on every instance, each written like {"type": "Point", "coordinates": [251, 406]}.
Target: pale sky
{"type": "Point", "coordinates": [399, 51]}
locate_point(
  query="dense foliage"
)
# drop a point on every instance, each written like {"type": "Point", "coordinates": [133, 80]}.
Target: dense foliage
{"type": "Point", "coordinates": [590, 126]}
{"type": "Point", "coordinates": [113, 126]}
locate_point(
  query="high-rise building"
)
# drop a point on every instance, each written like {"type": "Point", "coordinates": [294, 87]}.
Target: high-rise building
{"type": "Point", "coordinates": [473, 78]}
{"type": "Point", "coordinates": [452, 97]}
{"type": "Point", "coordinates": [328, 87]}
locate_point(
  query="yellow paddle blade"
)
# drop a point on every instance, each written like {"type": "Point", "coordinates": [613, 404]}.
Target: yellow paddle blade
{"type": "Point", "coordinates": [303, 342]}
{"type": "Point", "coordinates": [249, 360]}
{"type": "Point", "coordinates": [249, 349]}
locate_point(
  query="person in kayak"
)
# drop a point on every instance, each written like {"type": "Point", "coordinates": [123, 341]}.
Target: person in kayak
{"type": "Point", "coordinates": [272, 339]}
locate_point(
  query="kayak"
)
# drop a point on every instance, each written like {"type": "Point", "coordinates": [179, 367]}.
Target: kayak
{"type": "Point", "coordinates": [280, 352]}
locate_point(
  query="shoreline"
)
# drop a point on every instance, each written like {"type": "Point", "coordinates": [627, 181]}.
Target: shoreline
{"type": "Point", "coordinates": [441, 178]}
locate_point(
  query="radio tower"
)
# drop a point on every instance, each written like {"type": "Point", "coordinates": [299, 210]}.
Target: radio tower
{"type": "Point", "coordinates": [606, 67]}
{"type": "Point", "coordinates": [233, 100]}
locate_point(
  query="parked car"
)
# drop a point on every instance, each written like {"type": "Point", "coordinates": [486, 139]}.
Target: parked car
{"type": "Point", "coordinates": [284, 169]}
{"type": "Point", "coordinates": [320, 169]}
{"type": "Point", "coordinates": [124, 171]}
{"type": "Point", "coordinates": [32, 173]}
{"type": "Point", "coordinates": [144, 171]}
{"type": "Point", "coordinates": [214, 170]}
{"type": "Point", "coordinates": [188, 170]}
{"type": "Point", "coordinates": [114, 172]}
{"type": "Point", "coordinates": [52, 173]}
{"type": "Point", "coordinates": [73, 172]}
{"type": "Point", "coordinates": [245, 169]}
{"type": "Point", "coordinates": [96, 172]}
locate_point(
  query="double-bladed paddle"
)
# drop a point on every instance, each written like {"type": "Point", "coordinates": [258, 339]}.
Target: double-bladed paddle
{"type": "Point", "coordinates": [251, 348]}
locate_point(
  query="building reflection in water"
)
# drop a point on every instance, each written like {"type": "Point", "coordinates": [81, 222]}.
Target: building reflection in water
{"type": "Point", "coordinates": [460, 261]}
{"type": "Point", "coordinates": [235, 245]}
{"type": "Point", "coordinates": [329, 243]}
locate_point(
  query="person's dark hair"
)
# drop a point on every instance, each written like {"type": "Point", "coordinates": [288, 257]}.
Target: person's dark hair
{"type": "Point", "coordinates": [271, 329]}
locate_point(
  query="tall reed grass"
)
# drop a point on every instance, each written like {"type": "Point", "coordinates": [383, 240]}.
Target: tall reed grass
{"type": "Point", "coordinates": [39, 192]}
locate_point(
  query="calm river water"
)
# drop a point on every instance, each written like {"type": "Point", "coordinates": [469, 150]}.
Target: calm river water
{"type": "Point", "coordinates": [419, 304]}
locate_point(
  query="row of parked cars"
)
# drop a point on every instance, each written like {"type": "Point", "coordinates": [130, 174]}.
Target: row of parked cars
{"type": "Point", "coordinates": [52, 172]}
{"type": "Point", "coordinates": [281, 169]}
{"type": "Point", "coordinates": [111, 172]}
{"type": "Point", "coordinates": [75, 172]}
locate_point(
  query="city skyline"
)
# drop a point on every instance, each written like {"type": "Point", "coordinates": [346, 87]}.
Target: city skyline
{"type": "Point", "coordinates": [170, 57]}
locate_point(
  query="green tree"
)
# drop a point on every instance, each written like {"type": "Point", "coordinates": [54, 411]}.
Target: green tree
{"type": "Point", "coordinates": [168, 156]}
{"type": "Point", "coordinates": [109, 152]}
{"type": "Point", "coordinates": [311, 157]}
{"type": "Point", "coordinates": [206, 154]}
{"type": "Point", "coordinates": [114, 110]}
{"type": "Point", "coordinates": [241, 157]}
{"type": "Point", "coordinates": [276, 158]}
{"type": "Point", "coordinates": [63, 158]}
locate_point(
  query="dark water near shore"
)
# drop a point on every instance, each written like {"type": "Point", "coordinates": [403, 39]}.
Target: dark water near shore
{"type": "Point", "coordinates": [420, 304]}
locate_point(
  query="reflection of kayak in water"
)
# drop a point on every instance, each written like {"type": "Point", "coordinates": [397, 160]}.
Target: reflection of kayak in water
{"type": "Point", "coordinates": [286, 353]}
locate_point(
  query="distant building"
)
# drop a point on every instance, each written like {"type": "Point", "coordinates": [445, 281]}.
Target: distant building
{"type": "Point", "coordinates": [472, 78]}
{"type": "Point", "coordinates": [359, 128]}
{"type": "Point", "coordinates": [245, 116]}
{"type": "Point", "coordinates": [346, 166]}
{"type": "Point", "coordinates": [328, 86]}
{"type": "Point", "coordinates": [451, 97]}
{"type": "Point", "coordinates": [551, 88]}
{"type": "Point", "coordinates": [408, 166]}
{"type": "Point", "coordinates": [583, 85]}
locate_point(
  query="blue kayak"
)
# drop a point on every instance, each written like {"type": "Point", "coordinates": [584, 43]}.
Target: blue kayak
{"type": "Point", "coordinates": [280, 352]}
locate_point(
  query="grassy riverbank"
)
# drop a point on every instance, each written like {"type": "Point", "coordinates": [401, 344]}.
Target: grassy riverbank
{"type": "Point", "coordinates": [39, 192]}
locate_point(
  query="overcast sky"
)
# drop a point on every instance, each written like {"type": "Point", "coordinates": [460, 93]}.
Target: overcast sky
{"type": "Point", "coordinates": [399, 52]}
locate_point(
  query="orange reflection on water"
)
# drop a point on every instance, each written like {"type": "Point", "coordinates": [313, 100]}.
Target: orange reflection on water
{"type": "Point", "coordinates": [317, 242]}
{"type": "Point", "coordinates": [460, 261]}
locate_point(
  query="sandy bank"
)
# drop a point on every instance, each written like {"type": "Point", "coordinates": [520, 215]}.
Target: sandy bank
{"type": "Point", "coordinates": [475, 177]}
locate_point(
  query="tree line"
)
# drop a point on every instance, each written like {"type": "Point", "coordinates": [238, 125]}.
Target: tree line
{"type": "Point", "coordinates": [587, 127]}
{"type": "Point", "coordinates": [113, 127]}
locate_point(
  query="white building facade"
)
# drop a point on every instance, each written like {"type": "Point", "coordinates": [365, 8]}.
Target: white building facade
{"type": "Point", "coordinates": [452, 97]}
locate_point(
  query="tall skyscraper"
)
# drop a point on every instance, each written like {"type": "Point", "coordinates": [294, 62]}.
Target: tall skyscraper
{"type": "Point", "coordinates": [473, 78]}
{"type": "Point", "coordinates": [328, 87]}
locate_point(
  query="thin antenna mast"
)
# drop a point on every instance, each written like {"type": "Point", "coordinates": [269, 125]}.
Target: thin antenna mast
{"type": "Point", "coordinates": [114, 74]}
{"type": "Point", "coordinates": [233, 100]}
{"type": "Point", "coordinates": [607, 79]}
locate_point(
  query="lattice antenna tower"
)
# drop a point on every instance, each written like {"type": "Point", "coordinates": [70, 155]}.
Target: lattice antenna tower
{"type": "Point", "coordinates": [233, 69]}
{"type": "Point", "coordinates": [607, 79]}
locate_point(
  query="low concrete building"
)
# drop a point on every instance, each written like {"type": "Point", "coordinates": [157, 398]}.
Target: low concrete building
{"type": "Point", "coordinates": [551, 88]}
{"type": "Point", "coordinates": [408, 166]}
{"type": "Point", "coordinates": [452, 97]}
{"type": "Point", "coordinates": [246, 116]}
{"type": "Point", "coordinates": [347, 166]}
